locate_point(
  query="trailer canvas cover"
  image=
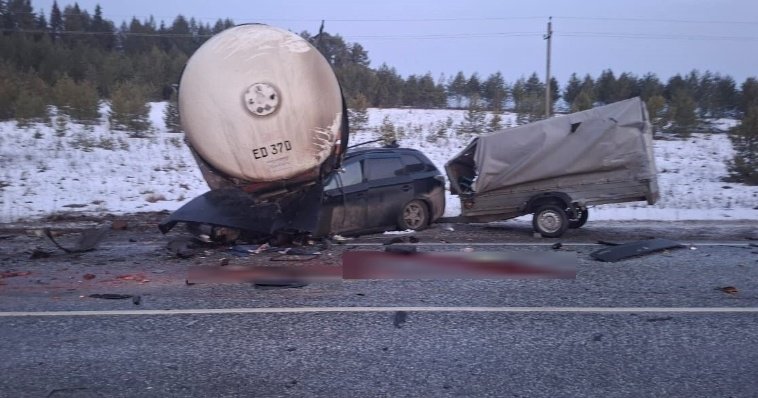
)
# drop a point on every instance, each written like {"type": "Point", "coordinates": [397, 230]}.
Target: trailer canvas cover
{"type": "Point", "coordinates": [614, 140]}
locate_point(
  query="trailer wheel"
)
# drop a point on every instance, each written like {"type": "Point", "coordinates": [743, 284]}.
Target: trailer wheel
{"type": "Point", "coordinates": [581, 218]}
{"type": "Point", "coordinates": [415, 216]}
{"type": "Point", "coordinates": [550, 221]}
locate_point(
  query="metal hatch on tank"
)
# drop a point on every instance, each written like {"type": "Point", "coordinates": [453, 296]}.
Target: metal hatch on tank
{"type": "Point", "coordinates": [266, 121]}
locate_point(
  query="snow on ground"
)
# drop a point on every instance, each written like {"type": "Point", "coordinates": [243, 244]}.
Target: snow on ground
{"type": "Point", "coordinates": [96, 171]}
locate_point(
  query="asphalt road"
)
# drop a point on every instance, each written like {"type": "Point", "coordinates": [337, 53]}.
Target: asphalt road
{"type": "Point", "coordinates": [658, 325]}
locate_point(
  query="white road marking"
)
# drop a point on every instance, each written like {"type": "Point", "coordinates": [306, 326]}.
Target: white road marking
{"type": "Point", "coordinates": [303, 310]}
{"type": "Point", "coordinates": [695, 244]}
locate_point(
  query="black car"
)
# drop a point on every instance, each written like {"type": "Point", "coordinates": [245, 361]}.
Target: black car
{"type": "Point", "coordinates": [376, 189]}
{"type": "Point", "coordinates": [380, 188]}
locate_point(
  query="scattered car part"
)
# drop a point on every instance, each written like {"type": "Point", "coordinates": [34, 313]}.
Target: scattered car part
{"type": "Point", "coordinates": [88, 240]}
{"type": "Point", "coordinates": [634, 249]}
{"type": "Point", "coordinates": [111, 296]}
{"type": "Point", "coordinates": [399, 319]}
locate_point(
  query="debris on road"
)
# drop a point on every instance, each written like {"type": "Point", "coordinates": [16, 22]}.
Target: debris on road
{"type": "Point", "coordinates": [728, 289]}
{"type": "Point", "coordinates": [136, 277]}
{"type": "Point", "coordinates": [401, 249]}
{"type": "Point", "coordinates": [119, 225]}
{"type": "Point", "coordinates": [111, 296]}
{"type": "Point", "coordinates": [39, 253]}
{"type": "Point", "coordinates": [557, 246]}
{"type": "Point", "coordinates": [607, 243]}
{"type": "Point", "coordinates": [340, 239]}
{"type": "Point", "coordinates": [404, 232]}
{"type": "Point", "coordinates": [88, 241]}
{"type": "Point", "coordinates": [634, 249]}
{"type": "Point", "coordinates": [392, 241]}
{"type": "Point", "coordinates": [280, 285]}
{"type": "Point", "coordinates": [183, 247]}
{"type": "Point", "coordinates": [12, 274]}
{"type": "Point", "coordinates": [399, 319]}
{"type": "Point", "coordinates": [88, 277]}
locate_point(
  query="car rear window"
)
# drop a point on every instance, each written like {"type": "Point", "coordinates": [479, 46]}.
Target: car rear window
{"type": "Point", "coordinates": [378, 168]}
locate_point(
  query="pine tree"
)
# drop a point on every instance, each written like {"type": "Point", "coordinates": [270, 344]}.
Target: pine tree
{"type": "Point", "coordinates": [495, 123]}
{"type": "Point", "coordinates": [61, 125]}
{"type": "Point", "coordinates": [387, 132]}
{"type": "Point", "coordinates": [649, 86]}
{"type": "Point", "coordinates": [9, 91]}
{"type": "Point", "coordinates": [681, 114]}
{"type": "Point", "coordinates": [572, 89]}
{"type": "Point", "coordinates": [473, 87]}
{"type": "Point", "coordinates": [32, 105]}
{"type": "Point", "coordinates": [625, 87]}
{"type": "Point", "coordinates": [129, 109]}
{"type": "Point", "coordinates": [441, 130]}
{"type": "Point", "coordinates": [748, 95]}
{"type": "Point", "coordinates": [495, 92]}
{"type": "Point", "coordinates": [457, 89]}
{"type": "Point", "coordinates": [56, 22]}
{"type": "Point", "coordinates": [78, 100]}
{"type": "Point", "coordinates": [726, 96]}
{"type": "Point", "coordinates": [171, 115]}
{"type": "Point", "coordinates": [529, 99]}
{"type": "Point", "coordinates": [583, 101]}
{"type": "Point", "coordinates": [474, 122]}
{"type": "Point", "coordinates": [656, 106]}
{"type": "Point", "coordinates": [358, 113]}
{"type": "Point", "coordinates": [606, 87]}
{"type": "Point", "coordinates": [744, 166]}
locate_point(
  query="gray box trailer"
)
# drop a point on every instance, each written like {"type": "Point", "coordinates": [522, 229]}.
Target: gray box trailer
{"type": "Point", "coordinates": [555, 168]}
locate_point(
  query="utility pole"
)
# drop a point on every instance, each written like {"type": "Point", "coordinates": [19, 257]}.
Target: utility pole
{"type": "Point", "coordinates": [548, 37]}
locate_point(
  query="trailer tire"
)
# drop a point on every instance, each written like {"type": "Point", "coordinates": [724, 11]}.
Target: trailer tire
{"type": "Point", "coordinates": [579, 221]}
{"type": "Point", "coordinates": [415, 216]}
{"type": "Point", "coordinates": [550, 221]}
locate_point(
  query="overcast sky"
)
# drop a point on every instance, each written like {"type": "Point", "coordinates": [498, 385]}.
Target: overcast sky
{"type": "Point", "coordinates": [441, 36]}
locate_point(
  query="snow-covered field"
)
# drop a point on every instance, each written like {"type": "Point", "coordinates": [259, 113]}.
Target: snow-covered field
{"type": "Point", "coordinates": [96, 171]}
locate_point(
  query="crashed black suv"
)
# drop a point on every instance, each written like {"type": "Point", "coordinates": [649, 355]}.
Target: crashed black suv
{"type": "Point", "coordinates": [381, 188]}
{"type": "Point", "coordinates": [376, 188]}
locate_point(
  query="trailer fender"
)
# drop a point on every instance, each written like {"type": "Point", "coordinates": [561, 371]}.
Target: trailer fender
{"type": "Point", "coordinates": [559, 198]}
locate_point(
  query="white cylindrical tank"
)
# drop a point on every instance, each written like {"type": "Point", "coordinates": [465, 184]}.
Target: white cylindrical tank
{"type": "Point", "coordinates": [261, 104]}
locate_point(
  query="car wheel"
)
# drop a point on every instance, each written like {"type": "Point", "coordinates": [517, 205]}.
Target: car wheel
{"type": "Point", "coordinates": [415, 216]}
{"type": "Point", "coordinates": [550, 221]}
{"type": "Point", "coordinates": [581, 218]}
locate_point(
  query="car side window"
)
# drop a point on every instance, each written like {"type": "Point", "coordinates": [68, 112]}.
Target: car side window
{"type": "Point", "coordinates": [379, 168]}
{"type": "Point", "coordinates": [413, 164]}
{"type": "Point", "coordinates": [352, 175]}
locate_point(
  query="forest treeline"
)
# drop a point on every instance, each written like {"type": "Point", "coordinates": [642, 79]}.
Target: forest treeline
{"type": "Point", "coordinates": [73, 58]}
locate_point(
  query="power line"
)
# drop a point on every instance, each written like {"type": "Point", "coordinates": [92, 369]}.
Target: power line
{"type": "Point", "coordinates": [659, 20]}
{"type": "Point", "coordinates": [655, 36]}
{"type": "Point", "coordinates": [643, 36]}
{"type": "Point", "coordinates": [451, 19]}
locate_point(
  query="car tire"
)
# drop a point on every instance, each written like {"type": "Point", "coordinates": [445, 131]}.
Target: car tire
{"type": "Point", "coordinates": [550, 221]}
{"type": "Point", "coordinates": [579, 221]}
{"type": "Point", "coordinates": [414, 216]}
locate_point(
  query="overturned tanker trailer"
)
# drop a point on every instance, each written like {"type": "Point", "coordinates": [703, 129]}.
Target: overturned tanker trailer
{"type": "Point", "coordinates": [265, 120]}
